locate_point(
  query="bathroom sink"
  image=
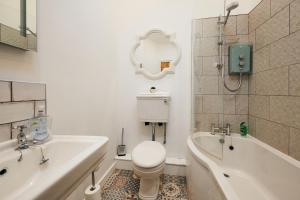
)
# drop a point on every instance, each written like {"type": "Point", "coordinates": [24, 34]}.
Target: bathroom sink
{"type": "Point", "coordinates": [71, 159]}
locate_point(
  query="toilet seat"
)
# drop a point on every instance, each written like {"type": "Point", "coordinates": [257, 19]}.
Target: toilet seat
{"type": "Point", "coordinates": [148, 154]}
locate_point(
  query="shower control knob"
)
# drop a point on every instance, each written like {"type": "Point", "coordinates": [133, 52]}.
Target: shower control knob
{"type": "Point", "coordinates": [242, 63]}
{"type": "Point", "coordinates": [241, 57]}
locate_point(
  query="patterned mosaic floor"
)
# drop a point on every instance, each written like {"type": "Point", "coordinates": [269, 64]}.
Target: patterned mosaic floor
{"type": "Point", "coordinates": [123, 185]}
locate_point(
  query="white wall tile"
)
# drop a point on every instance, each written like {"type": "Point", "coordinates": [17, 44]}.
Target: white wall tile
{"type": "Point", "coordinates": [5, 95]}
{"type": "Point", "coordinates": [28, 91]}
{"type": "Point", "coordinates": [11, 112]}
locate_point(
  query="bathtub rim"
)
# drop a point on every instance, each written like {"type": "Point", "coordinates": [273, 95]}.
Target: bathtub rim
{"type": "Point", "coordinates": [217, 172]}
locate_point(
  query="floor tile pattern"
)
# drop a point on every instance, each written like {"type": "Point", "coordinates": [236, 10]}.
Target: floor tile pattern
{"type": "Point", "coordinates": [124, 185]}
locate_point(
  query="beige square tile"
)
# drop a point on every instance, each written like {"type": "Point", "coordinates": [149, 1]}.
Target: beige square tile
{"type": "Point", "coordinates": [198, 104]}
{"type": "Point", "coordinates": [295, 16]}
{"type": "Point", "coordinates": [252, 40]}
{"type": "Point", "coordinates": [261, 59]}
{"type": "Point", "coordinates": [274, 29]}
{"type": "Point", "coordinates": [273, 82]}
{"type": "Point", "coordinates": [273, 134]}
{"type": "Point", "coordinates": [11, 112]}
{"type": "Point", "coordinates": [212, 104]}
{"type": "Point", "coordinates": [294, 80]}
{"type": "Point", "coordinates": [204, 121]}
{"type": "Point", "coordinates": [259, 106]}
{"type": "Point", "coordinates": [259, 15]}
{"type": "Point", "coordinates": [4, 132]}
{"type": "Point", "coordinates": [206, 85]}
{"type": "Point", "coordinates": [252, 126]}
{"type": "Point", "coordinates": [277, 5]}
{"type": "Point", "coordinates": [28, 91]}
{"type": "Point", "coordinates": [242, 104]}
{"type": "Point", "coordinates": [231, 26]}
{"type": "Point", "coordinates": [234, 121]}
{"type": "Point", "coordinates": [242, 24]}
{"type": "Point", "coordinates": [197, 27]}
{"type": "Point", "coordinates": [5, 95]}
{"type": "Point", "coordinates": [285, 110]}
{"type": "Point", "coordinates": [286, 51]}
{"type": "Point", "coordinates": [198, 67]}
{"type": "Point", "coordinates": [229, 104]}
{"type": "Point", "coordinates": [209, 46]}
{"type": "Point", "coordinates": [294, 149]}
{"type": "Point", "coordinates": [233, 40]}
{"type": "Point", "coordinates": [209, 65]}
{"type": "Point", "coordinates": [252, 84]}
{"type": "Point", "coordinates": [210, 27]}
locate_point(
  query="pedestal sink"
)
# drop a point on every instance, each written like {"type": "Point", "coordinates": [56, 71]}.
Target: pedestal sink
{"type": "Point", "coordinates": [71, 159]}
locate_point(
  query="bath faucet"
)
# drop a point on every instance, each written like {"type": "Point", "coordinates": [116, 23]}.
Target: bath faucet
{"type": "Point", "coordinates": [223, 130]}
{"type": "Point", "coordinates": [21, 138]}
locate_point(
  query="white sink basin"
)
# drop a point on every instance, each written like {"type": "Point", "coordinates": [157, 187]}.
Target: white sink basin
{"type": "Point", "coordinates": [71, 159]}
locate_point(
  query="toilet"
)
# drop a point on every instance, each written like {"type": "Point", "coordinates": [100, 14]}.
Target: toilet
{"type": "Point", "coordinates": [148, 157]}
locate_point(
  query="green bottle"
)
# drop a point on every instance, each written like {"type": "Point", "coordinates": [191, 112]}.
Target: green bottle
{"type": "Point", "coordinates": [244, 129]}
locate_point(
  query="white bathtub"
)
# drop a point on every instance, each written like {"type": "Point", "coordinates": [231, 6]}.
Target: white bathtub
{"type": "Point", "coordinates": [256, 171]}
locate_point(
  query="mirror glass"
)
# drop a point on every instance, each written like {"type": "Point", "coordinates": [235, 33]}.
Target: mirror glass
{"type": "Point", "coordinates": [156, 53]}
{"type": "Point", "coordinates": [18, 23]}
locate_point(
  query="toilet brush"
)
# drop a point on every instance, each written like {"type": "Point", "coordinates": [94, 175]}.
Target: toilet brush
{"type": "Point", "coordinates": [121, 150]}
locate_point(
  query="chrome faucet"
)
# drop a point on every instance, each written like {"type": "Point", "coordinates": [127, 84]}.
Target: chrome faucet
{"type": "Point", "coordinates": [21, 138]}
{"type": "Point", "coordinates": [222, 130]}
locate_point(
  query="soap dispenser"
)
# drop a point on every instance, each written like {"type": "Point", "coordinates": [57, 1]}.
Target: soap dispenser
{"type": "Point", "coordinates": [39, 126]}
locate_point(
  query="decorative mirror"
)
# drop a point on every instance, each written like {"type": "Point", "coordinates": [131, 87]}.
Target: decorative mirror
{"type": "Point", "coordinates": [18, 23]}
{"type": "Point", "coordinates": [155, 54]}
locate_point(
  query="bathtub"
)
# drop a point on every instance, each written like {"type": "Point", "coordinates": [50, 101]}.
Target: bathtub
{"type": "Point", "coordinates": [243, 168]}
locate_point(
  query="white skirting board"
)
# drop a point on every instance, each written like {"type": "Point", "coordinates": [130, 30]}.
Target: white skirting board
{"type": "Point", "coordinates": [174, 166]}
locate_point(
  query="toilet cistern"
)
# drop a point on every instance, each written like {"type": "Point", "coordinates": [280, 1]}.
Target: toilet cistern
{"type": "Point", "coordinates": [153, 109]}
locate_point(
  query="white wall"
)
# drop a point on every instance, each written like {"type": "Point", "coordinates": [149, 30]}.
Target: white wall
{"type": "Point", "coordinates": [135, 17]}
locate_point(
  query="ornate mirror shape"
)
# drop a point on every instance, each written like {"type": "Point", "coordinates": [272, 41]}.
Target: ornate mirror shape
{"type": "Point", "coordinates": [155, 54]}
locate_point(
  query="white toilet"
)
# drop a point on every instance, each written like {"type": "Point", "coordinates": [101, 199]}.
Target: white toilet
{"type": "Point", "coordinates": [148, 157]}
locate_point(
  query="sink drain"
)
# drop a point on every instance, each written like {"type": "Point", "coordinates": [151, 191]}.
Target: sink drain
{"type": "Point", "coordinates": [226, 175]}
{"type": "Point", "coordinates": [3, 171]}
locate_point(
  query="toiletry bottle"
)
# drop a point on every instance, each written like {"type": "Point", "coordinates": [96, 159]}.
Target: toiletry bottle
{"type": "Point", "coordinates": [40, 126]}
{"type": "Point", "coordinates": [243, 129]}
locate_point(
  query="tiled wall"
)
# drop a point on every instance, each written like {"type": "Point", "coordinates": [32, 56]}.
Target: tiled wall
{"type": "Point", "coordinates": [19, 102]}
{"type": "Point", "coordinates": [274, 89]}
{"type": "Point", "coordinates": [272, 93]}
{"type": "Point", "coordinates": [213, 103]}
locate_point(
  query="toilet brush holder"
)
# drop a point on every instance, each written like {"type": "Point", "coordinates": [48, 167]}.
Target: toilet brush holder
{"type": "Point", "coordinates": [121, 149]}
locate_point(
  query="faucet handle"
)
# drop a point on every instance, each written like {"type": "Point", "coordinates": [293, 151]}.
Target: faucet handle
{"type": "Point", "coordinates": [20, 127]}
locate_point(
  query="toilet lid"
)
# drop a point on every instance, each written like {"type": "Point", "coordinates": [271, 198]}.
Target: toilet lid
{"type": "Point", "coordinates": [148, 154]}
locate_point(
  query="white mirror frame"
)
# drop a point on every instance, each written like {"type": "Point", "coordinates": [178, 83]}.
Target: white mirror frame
{"type": "Point", "coordinates": [137, 65]}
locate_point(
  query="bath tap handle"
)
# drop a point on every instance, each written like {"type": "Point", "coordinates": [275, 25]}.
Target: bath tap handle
{"type": "Point", "coordinates": [213, 129]}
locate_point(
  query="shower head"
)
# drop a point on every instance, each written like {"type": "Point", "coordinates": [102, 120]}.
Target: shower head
{"type": "Point", "coordinates": [229, 8]}
{"type": "Point", "coordinates": [232, 6]}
